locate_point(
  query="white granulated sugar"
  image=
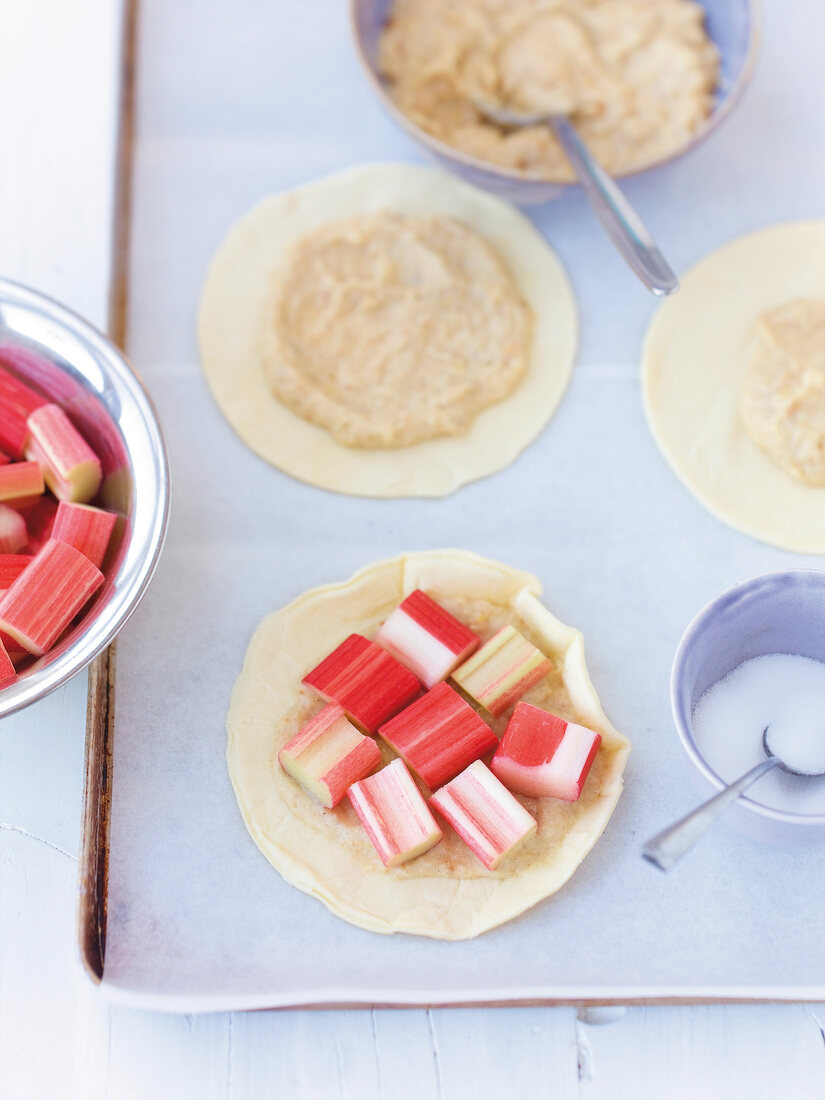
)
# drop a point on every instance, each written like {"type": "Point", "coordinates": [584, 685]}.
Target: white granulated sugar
{"type": "Point", "coordinates": [785, 692]}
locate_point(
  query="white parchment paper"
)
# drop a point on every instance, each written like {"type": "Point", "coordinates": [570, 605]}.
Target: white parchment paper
{"type": "Point", "coordinates": [236, 100]}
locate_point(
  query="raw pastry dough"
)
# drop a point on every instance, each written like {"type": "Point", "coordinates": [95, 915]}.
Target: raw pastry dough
{"type": "Point", "coordinates": [230, 325]}
{"type": "Point", "coordinates": [695, 353]}
{"type": "Point", "coordinates": [446, 893]}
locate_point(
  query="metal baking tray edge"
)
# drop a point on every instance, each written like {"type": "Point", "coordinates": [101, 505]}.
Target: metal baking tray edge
{"type": "Point", "coordinates": [100, 713]}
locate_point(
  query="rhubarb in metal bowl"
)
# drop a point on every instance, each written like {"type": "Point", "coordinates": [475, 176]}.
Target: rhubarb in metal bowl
{"type": "Point", "coordinates": [84, 494]}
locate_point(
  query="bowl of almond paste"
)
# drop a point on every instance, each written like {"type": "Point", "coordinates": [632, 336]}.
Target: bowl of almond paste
{"type": "Point", "coordinates": [642, 80]}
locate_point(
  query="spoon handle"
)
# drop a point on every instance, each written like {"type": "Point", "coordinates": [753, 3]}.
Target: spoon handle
{"type": "Point", "coordinates": [670, 845]}
{"type": "Point", "coordinates": [618, 217]}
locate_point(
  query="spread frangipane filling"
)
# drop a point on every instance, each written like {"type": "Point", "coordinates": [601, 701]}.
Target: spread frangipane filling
{"type": "Point", "coordinates": [388, 329]}
{"type": "Point", "coordinates": [782, 402]}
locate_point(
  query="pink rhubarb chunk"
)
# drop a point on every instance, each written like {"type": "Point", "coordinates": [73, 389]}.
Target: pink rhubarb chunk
{"type": "Point", "coordinates": [502, 670]}
{"type": "Point", "coordinates": [86, 528]}
{"type": "Point", "coordinates": [394, 814]}
{"type": "Point", "coordinates": [484, 814]}
{"type": "Point", "coordinates": [47, 595]}
{"type": "Point", "coordinates": [544, 756]}
{"type": "Point", "coordinates": [17, 403]}
{"type": "Point", "coordinates": [426, 638]}
{"type": "Point", "coordinates": [13, 532]}
{"type": "Point", "coordinates": [328, 755]}
{"type": "Point", "coordinates": [365, 680]}
{"type": "Point", "coordinates": [39, 522]}
{"type": "Point", "coordinates": [71, 469]}
{"type": "Point", "coordinates": [438, 735]}
{"type": "Point", "coordinates": [21, 483]}
{"type": "Point", "coordinates": [11, 566]}
{"type": "Point", "coordinates": [7, 673]}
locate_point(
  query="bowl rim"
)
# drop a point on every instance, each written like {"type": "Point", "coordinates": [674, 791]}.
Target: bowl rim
{"type": "Point", "coordinates": [33, 687]}
{"type": "Point", "coordinates": [684, 729]}
{"type": "Point", "coordinates": [475, 164]}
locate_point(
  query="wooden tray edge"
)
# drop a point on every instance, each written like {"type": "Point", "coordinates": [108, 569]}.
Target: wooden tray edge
{"type": "Point", "coordinates": [97, 764]}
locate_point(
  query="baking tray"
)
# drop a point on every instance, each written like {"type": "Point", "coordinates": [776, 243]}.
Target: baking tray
{"type": "Point", "coordinates": [623, 552]}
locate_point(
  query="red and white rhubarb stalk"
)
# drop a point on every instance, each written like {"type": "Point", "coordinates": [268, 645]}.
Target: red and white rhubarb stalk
{"type": "Point", "coordinates": [427, 639]}
{"type": "Point", "coordinates": [47, 595]}
{"type": "Point", "coordinates": [39, 522]}
{"type": "Point", "coordinates": [86, 528]}
{"type": "Point", "coordinates": [365, 680]}
{"type": "Point", "coordinates": [544, 756]}
{"type": "Point", "coordinates": [485, 815]}
{"type": "Point", "coordinates": [438, 735]}
{"type": "Point", "coordinates": [394, 814]}
{"type": "Point", "coordinates": [71, 469]}
{"type": "Point", "coordinates": [502, 670]}
{"type": "Point", "coordinates": [13, 533]}
{"type": "Point", "coordinates": [21, 484]}
{"type": "Point", "coordinates": [7, 672]}
{"type": "Point", "coordinates": [17, 402]}
{"type": "Point", "coordinates": [11, 566]}
{"type": "Point", "coordinates": [328, 754]}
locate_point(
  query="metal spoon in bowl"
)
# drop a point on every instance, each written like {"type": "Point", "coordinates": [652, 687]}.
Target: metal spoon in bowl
{"type": "Point", "coordinates": [623, 225]}
{"type": "Point", "coordinates": [672, 843]}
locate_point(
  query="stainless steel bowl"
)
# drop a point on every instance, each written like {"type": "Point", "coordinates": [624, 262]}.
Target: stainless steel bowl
{"type": "Point", "coordinates": [66, 358]}
{"type": "Point", "coordinates": [734, 26]}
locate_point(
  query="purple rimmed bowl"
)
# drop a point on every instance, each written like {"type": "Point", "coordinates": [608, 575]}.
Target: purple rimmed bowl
{"type": "Point", "coordinates": [774, 613]}
{"type": "Point", "coordinates": [734, 26]}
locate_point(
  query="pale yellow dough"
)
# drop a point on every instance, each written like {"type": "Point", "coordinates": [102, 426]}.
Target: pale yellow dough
{"type": "Point", "coordinates": [446, 893]}
{"type": "Point", "coordinates": [238, 288]}
{"type": "Point", "coordinates": [695, 355]}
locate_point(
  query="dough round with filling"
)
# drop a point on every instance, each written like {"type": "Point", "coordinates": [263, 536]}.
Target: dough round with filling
{"type": "Point", "coordinates": [237, 294]}
{"type": "Point", "coordinates": [694, 361]}
{"type": "Point", "coordinates": [446, 893]}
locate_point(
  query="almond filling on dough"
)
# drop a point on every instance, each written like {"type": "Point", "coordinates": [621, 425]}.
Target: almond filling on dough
{"type": "Point", "coordinates": [782, 402]}
{"type": "Point", "coordinates": [636, 76]}
{"type": "Point", "coordinates": [389, 329]}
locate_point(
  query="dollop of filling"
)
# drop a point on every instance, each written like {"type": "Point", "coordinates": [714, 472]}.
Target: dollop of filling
{"type": "Point", "coordinates": [389, 329]}
{"type": "Point", "coordinates": [636, 77]}
{"type": "Point", "coordinates": [782, 401]}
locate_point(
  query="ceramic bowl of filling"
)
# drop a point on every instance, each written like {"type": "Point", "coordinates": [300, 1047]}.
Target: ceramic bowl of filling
{"type": "Point", "coordinates": [753, 658]}
{"type": "Point", "coordinates": [642, 82]}
{"type": "Point", "coordinates": [57, 360]}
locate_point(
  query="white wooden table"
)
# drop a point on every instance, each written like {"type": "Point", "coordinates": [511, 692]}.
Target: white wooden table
{"type": "Point", "coordinates": [58, 1039]}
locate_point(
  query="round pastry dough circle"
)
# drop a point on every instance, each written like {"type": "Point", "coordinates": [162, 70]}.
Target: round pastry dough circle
{"type": "Point", "coordinates": [337, 865]}
{"type": "Point", "coordinates": [694, 356]}
{"type": "Point", "coordinates": [230, 322]}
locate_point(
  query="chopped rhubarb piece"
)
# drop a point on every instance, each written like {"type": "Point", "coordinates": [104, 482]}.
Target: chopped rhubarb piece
{"type": "Point", "coordinates": [47, 595]}
{"type": "Point", "coordinates": [485, 815]}
{"type": "Point", "coordinates": [70, 467]}
{"type": "Point", "coordinates": [543, 756]}
{"type": "Point", "coordinates": [394, 814]}
{"type": "Point", "coordinates": [11, 566]}
{"type": "Point", "coordinates": [438, 735]}
{"type": "Point", "coordinates": [12, 648]}
{"type": "Point", "coordinates": [86, 528]}
{"type": "Point", "coordinates": [426, 638]}
{"type": "Point", "coordinates": [4, 458]}
{"type": "Point", "coordinates": [13, 533]}
{"type": "Point", "coordinates": [365, 680]}
{"type": "Point", "coordinates": [39, 522]}
{"type": "Point", "coordinates": [502, 670]}
{"type": "Point", "coordinates": [328, 755]}
{"type": "Point", "coordinates": [17, 403]}
{"type": "Point", "coordinates": [7, 673]}
{"type": "Point", "coordinates": [21, 483]}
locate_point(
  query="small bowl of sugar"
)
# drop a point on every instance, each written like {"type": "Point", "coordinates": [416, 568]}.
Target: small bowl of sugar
{"type": "Point", "coordinates": [754, 658]}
